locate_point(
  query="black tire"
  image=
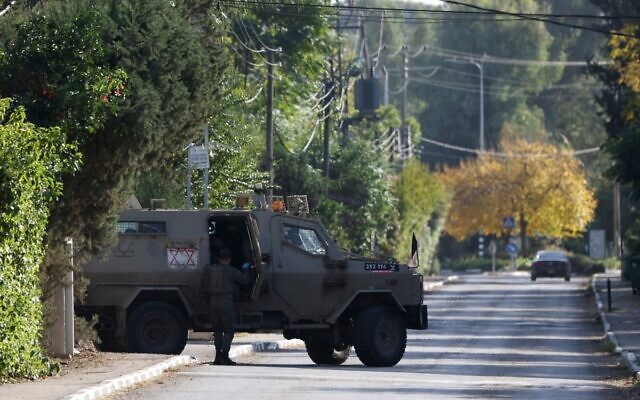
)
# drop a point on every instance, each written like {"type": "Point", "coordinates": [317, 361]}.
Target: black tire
{"type": "Point", "coordinates": [380, 336]}
{"type": "Point", "coordinates": [156, 327]}
{"type": "Point", "coordinates": [567, 278]}
{"type": "Point", "coordinates": [533, 278]}
{"type": "Point", "coordinates": [323, 353]}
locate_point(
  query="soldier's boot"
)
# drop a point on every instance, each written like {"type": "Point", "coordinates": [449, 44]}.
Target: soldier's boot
{"type": "Point", "coordinates": [225, 360]}
{"type": "Point", "coordinates": [218, 360]}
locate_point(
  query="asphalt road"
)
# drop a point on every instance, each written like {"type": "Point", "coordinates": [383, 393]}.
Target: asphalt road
{"type": "Point", "coordinates": [490, 337]}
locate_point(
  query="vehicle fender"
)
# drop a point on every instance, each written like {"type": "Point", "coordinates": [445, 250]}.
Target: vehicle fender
{"type": "Point", "coordinates": [123, 296]}
{"type": "Point", "coordinates": [385, 297]}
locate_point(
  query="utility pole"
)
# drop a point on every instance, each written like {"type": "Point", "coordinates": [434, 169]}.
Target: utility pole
{"type": "Point", "coordinates": [205, 172]}
{"type": "Point", "coordinates": [269, 147]}
{"type": "Point", "coordinates": [479, 65]}
{"type": "Point", "coordinates": [404, 137]}
{"type": "Point", "coordinates": [617, 236]}
{"type": "Point", "coordinates": [403, 143]}
{"type": "Point", "coordinates": [329, 88]}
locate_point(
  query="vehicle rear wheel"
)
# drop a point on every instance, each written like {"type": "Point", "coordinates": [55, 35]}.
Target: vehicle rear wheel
{"type": "Point", "coordinates": [380, 336]}
{"type": "Point", "coordinates": [323, 353]}
{"type": "Point", "coordinates": [156, 327]}
{"type": "Point", "coordinates": [533, 278]}
{"type": "Point", "coordinates": [567, 278]}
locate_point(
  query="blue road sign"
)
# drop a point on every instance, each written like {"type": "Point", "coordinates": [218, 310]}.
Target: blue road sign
{"type": "Point", "coordinates": [508, 222]}
{"type": "Point", "coordinates": [512, 249]}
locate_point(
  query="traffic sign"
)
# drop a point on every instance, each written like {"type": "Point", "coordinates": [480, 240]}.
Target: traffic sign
{"type": "Point", "coordinates": [508, 222]}
{"type": "Point", "coordinates": [198, 157]}
{"type": "Point", "coordinates": [492, 247]}
{"type": "Point", "coordinates": [512, 249]}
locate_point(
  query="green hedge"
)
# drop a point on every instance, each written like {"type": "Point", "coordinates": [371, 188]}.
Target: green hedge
{"type": "Point", "coordinates": [31, 162]}
{"type": "Point", "coordinates": [581, 264]}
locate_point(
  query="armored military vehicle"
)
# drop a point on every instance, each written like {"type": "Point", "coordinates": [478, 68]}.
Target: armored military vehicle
{"type": "Point", "coordinates": [149, 291]}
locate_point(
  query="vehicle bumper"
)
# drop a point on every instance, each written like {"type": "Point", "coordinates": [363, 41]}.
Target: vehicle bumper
{"type": "Point", "coordinates": [551, 272]}
{"type": "Point", "coordinates": [417, 317]}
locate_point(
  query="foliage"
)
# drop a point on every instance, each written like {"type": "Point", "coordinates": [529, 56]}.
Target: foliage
{"type": "Point", "coordinates": [581, 264]}
{"type": "Point", "coordinates": [420, 194]}
{"type": "Point", "coordinates": [32, 160]}
{"type": "Point", "coordinates": [620, 100]}
{"type": "Point", "coordinates": [58, 68]}
{"type": "Point", "coordinates": [356, 201]}
{"type": "Point", "coordinates": [172, 55]}
{"type": "Point", "coordinates": [545, 190]}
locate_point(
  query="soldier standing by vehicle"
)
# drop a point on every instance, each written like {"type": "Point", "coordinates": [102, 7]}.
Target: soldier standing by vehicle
{"type": "Point", "coordinates": [222, 280]}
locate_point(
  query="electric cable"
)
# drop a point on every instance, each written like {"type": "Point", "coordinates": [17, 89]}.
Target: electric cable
{"type": "Point", "coordinates": [511, 155]}
{"type": "Point", "coordinates": [252, 99]}
{"type": "Point", "coordinates": [427, 11]}
{"type": "Point", "coordinates": [545, 18]}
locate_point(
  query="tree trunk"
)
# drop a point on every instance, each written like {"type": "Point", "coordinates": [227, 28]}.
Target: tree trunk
{"type": "Point", "coordinates": [523, 235]}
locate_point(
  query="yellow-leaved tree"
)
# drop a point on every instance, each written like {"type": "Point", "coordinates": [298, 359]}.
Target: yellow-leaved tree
{"type": "Point", "coordinates": [542, 186]}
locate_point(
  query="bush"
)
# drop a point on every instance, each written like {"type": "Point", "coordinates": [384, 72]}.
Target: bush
{"type": "Point", "coordinates": [31, 161]}
{"type": "Point", "coordinates": [581, 264]}
{"type": "Point", "coordinates": [483, 264]}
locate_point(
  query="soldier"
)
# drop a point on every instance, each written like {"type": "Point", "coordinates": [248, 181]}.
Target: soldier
{"type": "Point", "coordinates": [222, 280]}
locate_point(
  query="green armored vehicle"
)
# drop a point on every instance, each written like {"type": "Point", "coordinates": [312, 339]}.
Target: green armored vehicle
{"type": "Point", "coordinates": [149, 291]}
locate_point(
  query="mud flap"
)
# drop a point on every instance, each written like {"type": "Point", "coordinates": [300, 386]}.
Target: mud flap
{"type": "Point", "coordinates": [417, 317]}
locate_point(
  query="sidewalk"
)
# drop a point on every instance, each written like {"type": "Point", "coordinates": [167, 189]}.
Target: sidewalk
{"type": "Point", "coordinates": [622, 323]}
{"type": "Point", "coordinates": [93, 369]}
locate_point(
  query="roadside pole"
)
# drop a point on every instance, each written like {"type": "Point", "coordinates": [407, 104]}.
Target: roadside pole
{"type": "Point", "coordinates": [329, 88]}
{"type": "Point", "coordinates": [269, 146]}
{"type": "Point", "coordinates": [205, 172]}
{"type": "Point", "coordinates": [63, 328]}
{"type": "Point", "coordinates": [492, 249]}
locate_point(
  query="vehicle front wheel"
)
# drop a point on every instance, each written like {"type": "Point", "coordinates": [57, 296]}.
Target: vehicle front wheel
{"type": "Point", "coordinates": [533, 278]}
{"type": "Point", "coordinates": [156, 327]}
{"type": "Point", "coordinates": [567, 278]}
{"type": "Point", "coordinates": [323, 353]}
{"type": "Point", "coordinates": [380, 336]}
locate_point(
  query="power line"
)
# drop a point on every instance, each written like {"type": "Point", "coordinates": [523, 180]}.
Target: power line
{"type": "Point", "coordinates": [512, 155]}
{"type": "Point", "coordinates": [428, 11]}
{"type": "Point", "coordinates": [485, 58]}
{"type": "Point", "coordinates": [539, 17]}
{"type": "Point", "coordinates": [516, 85]}
{"type": "Point", "coordinates": [498, 93]}
{"type": "Point", "coordinates": [545, 18]}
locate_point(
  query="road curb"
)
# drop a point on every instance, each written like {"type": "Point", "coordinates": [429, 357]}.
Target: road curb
{"type": "Point", "coordinates": [144, 375]}
{"type": "Point", "coordinates": [112, 385]}
{"type": "Point", "coordinates": [429, 286]}
{"type": "Point", "coordinates": [629, 357]}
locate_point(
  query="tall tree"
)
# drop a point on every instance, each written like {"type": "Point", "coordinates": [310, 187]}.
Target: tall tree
{"type": "Point", "coordinates": [172, 55]}
{"type": "Point", "coordinates": [543, 188]}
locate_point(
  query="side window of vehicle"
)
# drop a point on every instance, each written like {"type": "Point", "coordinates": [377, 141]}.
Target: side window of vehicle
{"type": "Point", "coordinates": [304, 238]}
{"type": "Point", "coordinates": [144, 227]}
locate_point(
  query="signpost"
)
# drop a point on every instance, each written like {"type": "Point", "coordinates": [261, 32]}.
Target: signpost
{"type": "Point", "coordinates": [512, 250]}
{"type": "Point", "coordinates": [198, 158]}
{"type": "Point", "coordinates": [492, 249]}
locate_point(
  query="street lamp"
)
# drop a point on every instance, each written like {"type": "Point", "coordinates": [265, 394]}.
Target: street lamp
{"type": "Point", "coordinates": [479, 66]}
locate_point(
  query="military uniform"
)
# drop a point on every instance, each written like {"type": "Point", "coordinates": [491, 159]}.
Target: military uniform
{"type": "Point", "coordinates": [222, 282]}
